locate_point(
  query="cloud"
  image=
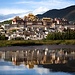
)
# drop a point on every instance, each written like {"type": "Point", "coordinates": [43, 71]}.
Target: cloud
{"type": "Point", "coordinates": [7, 11]}
{"type": "Point", "coordinates": [40, 10]}
{"type": "Point", "coordinates": [50, 4]}
{"type": "Point", "coordinates": [27, 2]}
{"type": "Point", "coordinates": [6, 14]}
{"type": "Point", "coordinates": [31, 5]}
{"type": "Point", "coordinates": [42, 71]}
{"type": "Point", "coordinates": [9, 68]}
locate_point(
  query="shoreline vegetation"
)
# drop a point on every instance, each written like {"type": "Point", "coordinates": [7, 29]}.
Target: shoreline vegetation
{"type": "Point", "coordinates": [4, 43]}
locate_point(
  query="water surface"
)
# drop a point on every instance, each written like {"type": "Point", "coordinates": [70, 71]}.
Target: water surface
{"type": "Point", "coordinates": [37, 60]}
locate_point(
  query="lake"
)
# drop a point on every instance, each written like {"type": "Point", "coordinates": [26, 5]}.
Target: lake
{"type": "Point", "coordinates": [38, 60]}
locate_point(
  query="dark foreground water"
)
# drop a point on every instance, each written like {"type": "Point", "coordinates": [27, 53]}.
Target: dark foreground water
{"type": "Point", "coordinates": [37, 61]}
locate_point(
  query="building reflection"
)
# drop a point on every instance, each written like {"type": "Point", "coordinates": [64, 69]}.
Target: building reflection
{"type": "Point", "coordinates": [36, 57]}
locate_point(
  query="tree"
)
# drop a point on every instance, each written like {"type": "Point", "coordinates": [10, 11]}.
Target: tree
{"type": "Point", "coordinates": [67, 35]}
{"type": "Point", "coordinates": [2, 37]}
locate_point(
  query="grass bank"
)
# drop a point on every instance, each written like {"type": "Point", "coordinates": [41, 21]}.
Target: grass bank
{"type": "Point", "coordinates": [35, 42]}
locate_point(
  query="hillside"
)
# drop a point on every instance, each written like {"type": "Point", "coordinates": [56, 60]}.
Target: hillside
{"type": "Point", "coordinates": [68, 13]}
{"type": "Point", "coordinates": [6, 22]}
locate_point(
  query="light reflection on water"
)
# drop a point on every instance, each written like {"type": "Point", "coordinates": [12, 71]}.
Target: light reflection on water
{"type": "Point", "coordinates": [24, 58]}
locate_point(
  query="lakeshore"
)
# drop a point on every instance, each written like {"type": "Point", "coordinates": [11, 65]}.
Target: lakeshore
{"type": "Point", "coordinates": [6, 43]}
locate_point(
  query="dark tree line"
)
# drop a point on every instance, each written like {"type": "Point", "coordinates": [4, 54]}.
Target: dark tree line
{"type": "Point", "coordinates": [66, 35]}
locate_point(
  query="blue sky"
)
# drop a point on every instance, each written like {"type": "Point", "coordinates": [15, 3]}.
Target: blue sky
{"type": "Point", "coordinates": [22, 7]}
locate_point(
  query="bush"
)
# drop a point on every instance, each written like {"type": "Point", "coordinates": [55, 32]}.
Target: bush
{"type": "Point", "coordinates": [2, 37]}
{"type": "Point", "coordinates": [68, 35]}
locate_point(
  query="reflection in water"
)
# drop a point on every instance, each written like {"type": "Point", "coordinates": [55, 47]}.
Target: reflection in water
{"type": "Point", "coordinates": [9, 69]}
{"type": "Point", "coordinates": [59, 59]}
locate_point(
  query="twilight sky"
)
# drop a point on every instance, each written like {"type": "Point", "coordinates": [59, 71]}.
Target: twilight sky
{"type": "Point", "coordinates": [22, 7]}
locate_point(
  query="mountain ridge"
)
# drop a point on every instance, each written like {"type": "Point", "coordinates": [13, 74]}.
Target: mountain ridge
{"type": "Point", "coordinates": [67, 13]}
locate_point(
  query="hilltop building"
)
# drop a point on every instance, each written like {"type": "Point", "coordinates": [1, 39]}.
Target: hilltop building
{"type": "Point", "coordinates": [27, 20]}
{"type": "Point", "coordinates": [59, 21]}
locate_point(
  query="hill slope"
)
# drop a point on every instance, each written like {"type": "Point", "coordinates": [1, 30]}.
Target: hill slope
{"type": "Point", "coordinates": [68, 13]}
